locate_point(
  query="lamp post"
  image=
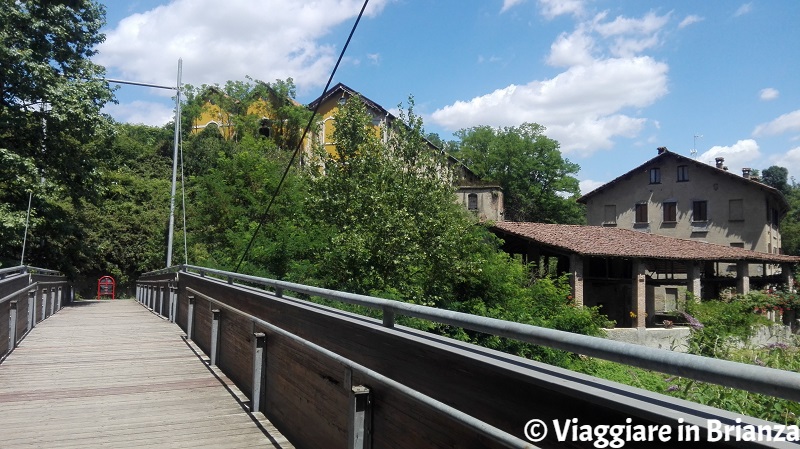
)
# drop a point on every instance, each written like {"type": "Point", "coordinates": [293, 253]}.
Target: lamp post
{"type": "Point", "coordinates": [177, 89]}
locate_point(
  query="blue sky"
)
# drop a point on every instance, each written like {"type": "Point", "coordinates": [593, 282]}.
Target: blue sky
{"type": "Point", "coordinates": [611, 80]}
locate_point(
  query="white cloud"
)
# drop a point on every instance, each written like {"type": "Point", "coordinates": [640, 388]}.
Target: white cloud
{"type": "Point", "coordinates": [374, 58]}
{"type": "Point", "coordinates": [266, 40]}
{"type": "Point", "coordinates": [571, 49]}
{"type": "Point", "coordinates": [789, 122]}
{"type": "Point", "coordinates": [744, 9]}
{"type": "Point", "coordinates": [586, 106]}
{"type": "Point", "coordinates": [587, 185]}
{"type": "Point", "coordinates": [647, 25]}
{"type": "Point", "coordinates": [768, 94]}
{"type": "Point", "coordinates": [551, 9]}
{"type": "Point", "coordinates": [508, 4]}
{"type": "Point", "coordinates": [690, 20]}
{"type": "Point", "coordinates": [737, 156]}
{"type": "Point", "coordinates": [141, 112]}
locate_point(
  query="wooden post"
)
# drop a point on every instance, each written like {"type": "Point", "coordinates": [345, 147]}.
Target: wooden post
{"type": "Point", "coordinates": [359, 419]}
{"type": "Point", "coordinates": [215, 313]}
{"type": "Point", "coordinates": [259, 389]}
{"type": "Point", "coordinates": [190, 317]}
{"type": "Point", "coordinates": [12, 326]}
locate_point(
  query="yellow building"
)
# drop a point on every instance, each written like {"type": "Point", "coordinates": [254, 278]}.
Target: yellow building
{"type": "Point", "coordinates": [212, 113]}
{"type": "Point", "coordinates": [484, 200]}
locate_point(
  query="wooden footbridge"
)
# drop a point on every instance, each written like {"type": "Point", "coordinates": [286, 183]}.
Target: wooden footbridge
{"type": "Point", "coordinates": [204, 358]}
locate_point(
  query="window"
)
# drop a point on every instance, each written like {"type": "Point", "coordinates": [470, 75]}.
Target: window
{"type": "Point", "coordinates": [699, 210]}
{"type": "Point", "coordinates": [641, 213]}
{"type": "Point", "coordinates": [735, 210]}
{"type": "Point", "coordinates": [610, 214]}
{"type": "Point", "coordinates": [670, 211]}
{"type": "Point", "coordinates": [472, 201]}
{"type": "Point", "coordinates": [655, 175]}
{"type": "Point", "coordinates": [683, 173]}
{"type": "Point", "coordinates": [265, 128]}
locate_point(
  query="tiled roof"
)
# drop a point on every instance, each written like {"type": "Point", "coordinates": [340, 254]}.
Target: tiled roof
{"type": "Point", "coordinates": [615, 242]}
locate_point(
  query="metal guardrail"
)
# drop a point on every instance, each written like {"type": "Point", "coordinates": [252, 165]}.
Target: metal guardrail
{"type": "Point", "coordinates": [752, 378]}
{"type": "Point", "coordinates": [470, 422]}
{"type": "Point", "coordinates": [33, 305]}
{"type": "Point", "coordinates": [21, 269]}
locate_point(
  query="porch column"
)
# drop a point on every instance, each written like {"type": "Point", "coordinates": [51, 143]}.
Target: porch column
{"type": "Point", "coordinates": [742, 277]}
{"type": "Point", "coordinates": [694, 287]}
{"type": "Point", "coordinates": [639, 293]}
{"type": "Point", "coordinates": [788, 276]}
{"type": "Point", "coordinates": [576, 278]}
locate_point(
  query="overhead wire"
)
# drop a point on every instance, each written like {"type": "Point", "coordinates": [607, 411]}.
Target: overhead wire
{"type": "Point", "coordinates": [300, 143]}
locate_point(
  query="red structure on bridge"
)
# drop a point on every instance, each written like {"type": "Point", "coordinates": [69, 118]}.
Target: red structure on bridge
{"type": "Point", "coordinates": [106, 286]}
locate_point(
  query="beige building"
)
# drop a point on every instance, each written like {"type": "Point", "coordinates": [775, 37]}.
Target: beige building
{"type": "Point", "coordinates": [676, 196]}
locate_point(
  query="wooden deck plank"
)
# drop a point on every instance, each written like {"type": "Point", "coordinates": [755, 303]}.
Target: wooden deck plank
{"type": "Point", "coordinates": [111, 374]}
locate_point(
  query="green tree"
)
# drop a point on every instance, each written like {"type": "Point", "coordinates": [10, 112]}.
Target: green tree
{"type": "Point", "coordinates": [50, 100]}
{"type": "Point", "coordinates": [398, 233]}
{"type": "Point", "coordinates": [790, 225]}
{"type": "Point", "coordinates": [777, 177]}
{"type": "Point", "coordinates": [538, 183]}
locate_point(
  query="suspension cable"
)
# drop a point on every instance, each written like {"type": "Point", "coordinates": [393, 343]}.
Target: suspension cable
{"type": "Point", "coordinates": [263, 217]}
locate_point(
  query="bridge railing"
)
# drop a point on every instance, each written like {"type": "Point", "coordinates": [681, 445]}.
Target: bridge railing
{"type": "Point", "coordinates": [318, 360]}
{"type": "Point", "coordinates": [28, 296]}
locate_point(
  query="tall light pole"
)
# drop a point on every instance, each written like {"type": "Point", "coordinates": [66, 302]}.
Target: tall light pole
{"type": "Point", "coordinates": [177, 90]}
{"type": "Point", "coordinates": [174, 164]}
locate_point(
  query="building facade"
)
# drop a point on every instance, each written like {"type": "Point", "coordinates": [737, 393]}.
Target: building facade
{"type": "Point", "coordinates": [676, 196]}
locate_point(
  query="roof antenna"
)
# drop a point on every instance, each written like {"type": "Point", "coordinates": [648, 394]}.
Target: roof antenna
{"type": "Point", "coordinates": [694, 146]}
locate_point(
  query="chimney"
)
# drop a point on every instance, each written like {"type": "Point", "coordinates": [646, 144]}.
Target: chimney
{"type": "Point", "coordinates": [746, 172]}
{"type": "Point", "coordinates": [720, 161]}
{"type": "Point", "coordinates": [662, 150]}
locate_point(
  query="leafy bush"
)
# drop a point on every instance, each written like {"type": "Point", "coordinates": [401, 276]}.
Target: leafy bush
{"type": "Point", "coordinates": [723, 323]}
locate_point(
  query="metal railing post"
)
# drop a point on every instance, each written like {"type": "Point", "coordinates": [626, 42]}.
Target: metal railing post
{"type": "Point", "coordinates": [388, 317]}
{"type": "Point", "coordinates": [171, 304]}
{"type": "Point", "coordinates": [52, 301]}
{"type": "Point", "coordinates": [359, 419]}
{"type": "Point", "coordinates": [215, 314]}
{"type": "Point", "coordinates": [259, 389]}
{"type": "Point", "coordinates": [60, 292]}
{"type": "Point", "coordinates": [31, 309]}
{"type": "Point", "coordinates": [190, 318]}
{"type": "Point", "coordinates": [161, 300]}
{"type": "Point", "coordinates": [44, 304]}
{"type": "Point", "coordinates": [12, 326]}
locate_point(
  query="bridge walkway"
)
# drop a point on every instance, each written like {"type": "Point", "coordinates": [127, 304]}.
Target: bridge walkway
{"type": "Point", "coordinates": [111, 373]}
